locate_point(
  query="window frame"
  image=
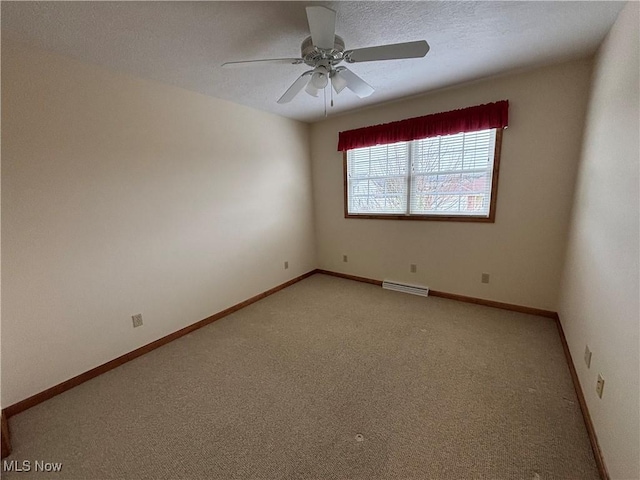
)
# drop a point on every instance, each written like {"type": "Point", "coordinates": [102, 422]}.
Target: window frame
{"type": "Point", "coordinates": [441, 218]}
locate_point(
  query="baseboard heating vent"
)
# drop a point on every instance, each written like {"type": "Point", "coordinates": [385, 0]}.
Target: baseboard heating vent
{"type": "Point", "coordinates": [403, 287]}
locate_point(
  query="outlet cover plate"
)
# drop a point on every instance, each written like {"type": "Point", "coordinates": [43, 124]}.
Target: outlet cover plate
{"type": "Point", "coordinates": [137, 320]}
{"type": "Point", "coordinates": [587, 356]}
{"type": "Point", "coordinates": [485, 278]}
{"type": "Point", "coordinates": [286, 265]}
{"type": "Point", "coordinates": [413, 268]}
{"type": "Point", "coordinates": [600, 385]}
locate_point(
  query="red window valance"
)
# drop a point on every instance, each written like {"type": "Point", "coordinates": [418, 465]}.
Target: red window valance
{"type": "Point", "coordinates": [471, 119]}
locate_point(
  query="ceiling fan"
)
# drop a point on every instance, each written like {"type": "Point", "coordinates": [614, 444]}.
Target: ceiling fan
{"type": "Point", "coordinates": [324, 51]}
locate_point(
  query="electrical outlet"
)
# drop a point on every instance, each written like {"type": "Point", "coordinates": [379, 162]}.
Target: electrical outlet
{"type": "Point", "coordinates": [587, 356]}
{"type": "Point", "coordinates": [600, 385]}
{"type": "Point", "coordinates": [414, 268]}
{"type": "Point", "coordinates": [137, 320]}
{"type": "Point", "coordinates": [286, 265]}
{"type": "Point", "coordinates": [345, 258]}
{"type": "Point", "coordinates": [485, 278]}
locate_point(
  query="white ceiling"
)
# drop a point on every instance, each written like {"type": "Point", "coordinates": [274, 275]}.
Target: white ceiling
{"type": "Point", "coordinates": [184, 43]}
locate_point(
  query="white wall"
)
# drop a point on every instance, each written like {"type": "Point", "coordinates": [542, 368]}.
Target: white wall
{"type": "Point", "coordinates": [600, 290]}
{"type": "Point", "coordinates": [523, 249]}
{"type": "Point", "coordinates": [123, 196]}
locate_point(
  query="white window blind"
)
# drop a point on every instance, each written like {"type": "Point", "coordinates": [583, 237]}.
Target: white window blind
{"type": "Point", "coordinates": [378, 178]}
{"type": "Point", "coordinates": [449, 175]}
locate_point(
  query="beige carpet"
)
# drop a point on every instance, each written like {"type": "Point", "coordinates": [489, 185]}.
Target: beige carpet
{"type": "Point", "coordinates": [282, 389]}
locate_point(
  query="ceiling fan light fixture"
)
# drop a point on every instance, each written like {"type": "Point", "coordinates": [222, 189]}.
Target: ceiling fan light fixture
{"type": "Point", "coordinates": [311, 89]}
{"type": "Point", "coordinates": [319, 79]}
{"type": "Point", "coordinates": [338, 82]}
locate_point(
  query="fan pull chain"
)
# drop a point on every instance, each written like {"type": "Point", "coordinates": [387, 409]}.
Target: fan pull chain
{"type": "Point", "coordinates": [324, 91]}
{"type": "Point", "coordinates": [331, 92]}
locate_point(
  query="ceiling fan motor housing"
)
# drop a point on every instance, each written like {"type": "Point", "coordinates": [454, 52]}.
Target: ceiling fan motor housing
{"type": "Point", "coordinates": [314, 56]}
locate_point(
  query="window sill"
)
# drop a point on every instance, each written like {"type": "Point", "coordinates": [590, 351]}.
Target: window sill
{"type": "Point", "coordinates": [437, 218]}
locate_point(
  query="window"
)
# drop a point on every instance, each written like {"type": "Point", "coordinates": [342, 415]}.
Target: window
{"type": "Point", "coordinates": [445, 177]}
{"type": "Point", "coordinates": [441, 166]}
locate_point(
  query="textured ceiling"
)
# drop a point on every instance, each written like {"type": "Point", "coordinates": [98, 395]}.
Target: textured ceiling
{"type": "Point", "coordinates": [184, 43]}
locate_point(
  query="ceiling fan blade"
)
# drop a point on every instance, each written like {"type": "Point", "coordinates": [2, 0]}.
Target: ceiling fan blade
{"type": "Point", "coordinates": [295, 88]}
{"type": "Point", "coordinates": [322, 25]}
{"type": "Point", "coordinates": [394, 51]}
{"type": "Point", "coordinates": [282, 61]}
{"type": "Point", "coordinates": [354, 83]}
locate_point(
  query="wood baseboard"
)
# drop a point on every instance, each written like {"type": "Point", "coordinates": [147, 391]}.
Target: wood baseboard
{"type": "Point", "coordinates": [350, 277]}
{"type": "Point", "coordinates": [455, 296]}
{"type": "Point", "coordinates": [493, 303]}
{"type": "Point", "coordinates": [5, 436]}
{"type": "Point", "coordinates": [105, 367]}
{"type": "Point", "coordinates": [591, 432]}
